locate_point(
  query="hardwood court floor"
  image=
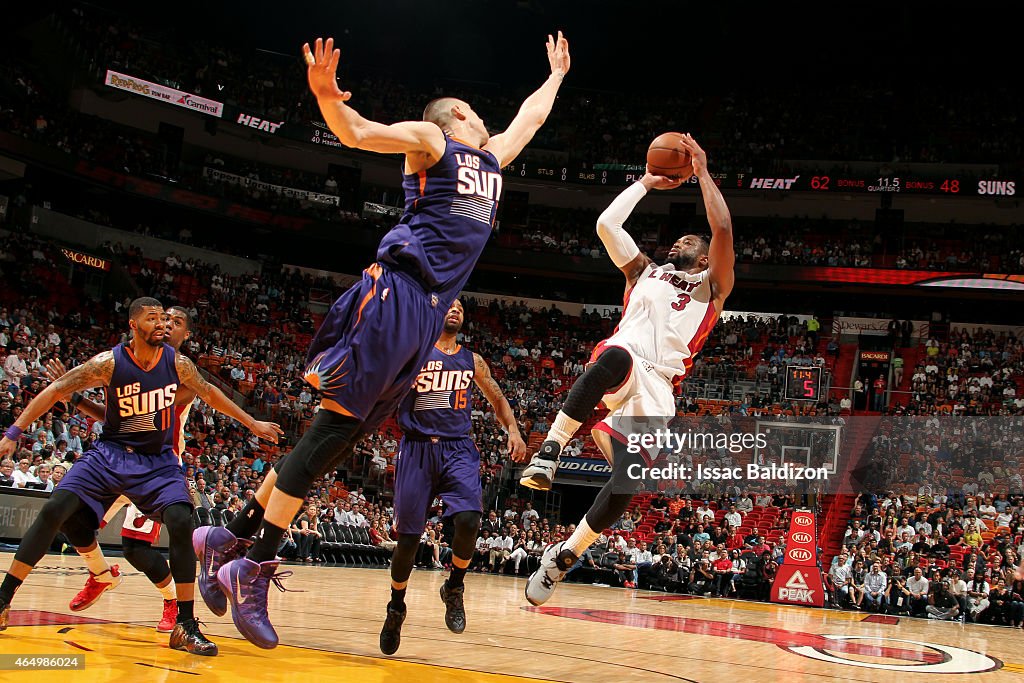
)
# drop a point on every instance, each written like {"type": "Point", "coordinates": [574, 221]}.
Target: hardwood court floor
{"type": "Point", "coordinates": [585, 633]}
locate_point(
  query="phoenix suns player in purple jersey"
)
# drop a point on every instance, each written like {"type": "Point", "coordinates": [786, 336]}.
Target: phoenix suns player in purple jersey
{"type": "Point", "coordinates": [376, 337]}
{"type": "Point", "coordinates": [134, 457]}
{"type": "Point", "coordinates": [437, 457]}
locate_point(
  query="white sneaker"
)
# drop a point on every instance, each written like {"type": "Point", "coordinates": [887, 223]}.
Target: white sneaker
{"type": "Point", "coordinates": [556, 560]}
{"type": "Point", "coordinates": [540, 473]}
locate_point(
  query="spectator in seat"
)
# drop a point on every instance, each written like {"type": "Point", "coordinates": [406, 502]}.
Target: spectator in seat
{"type": "Point", "coordinates": [625, 569]}
{"type": "Point", "coordinates": [899, 596]}
{"type": "Point", "coordinates": [918, 587]}
{"type": "Point", "coordinates": [519, 551]}
{"type": "Point", "coordinates": [702, 579]}
{"type": "Point", "coordinates": [309, 535]}
{"type": "Point", "coordinates": [529, 515]}
{"type": "Point", "coordinates": [23, 474]}
{"type": "Point", "coordinates": [841, 576]}
{"type": "Point", "coordinates": [664, 575]}
{"type": "Point", "coordinates": [733, 517]}
{"type": "Point", "coordinates": [876, 588]}
{"type": "Point", "coordinates": [482, 553]}
{"type": "Point", "coordinates": [942, 603]}
{"type": "Point", "coordinates": [977, 596]}
{"type": "Point", "coordinates": [7, 472]}
{"type": "Point", "coordinates": [501, 550]}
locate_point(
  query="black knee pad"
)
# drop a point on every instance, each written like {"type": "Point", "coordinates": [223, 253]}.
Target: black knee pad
{"type": "Point", "coordinates": [616, 361]}
{"type": "Point", "coordinates": [610, 370]}
{"type": "Point", "coordinates": [319, 450]}
{"type": "Point", "coordinates": [404, 557]}
{"type": "Point", "coordinates": [178, 517]}
{"type": "Point", "coordinates": [61, 506]}
{"type": "Point", "coordinates": [80, 529]}
{"type": "Point", "coordinates": [467, 525]}
{"type": "Point", "coordinates": [147, 559]}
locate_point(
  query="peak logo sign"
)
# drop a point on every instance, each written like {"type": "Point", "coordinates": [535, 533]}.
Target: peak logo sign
{"type": "Point", "coordinates": [802, 537]}
{"type": "Point", "coordinates": [797, 590]}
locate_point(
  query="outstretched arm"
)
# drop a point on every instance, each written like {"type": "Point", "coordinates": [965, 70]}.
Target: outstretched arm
{"type": "Point", "coordinates": [55, 369]}
{"type": "Point", "coordinates": [189, 375]}
{"type": "Point", "coordinates": [95, 372]}
{"type": "Point", "coordinates": [621, 248]}
{"type": "Point", "coordinates": [503, 411]}
{"type": "Point", "coordinates": [535, 108]}
{"type": "Point", "coordinates": [721, 255]}
{"type": "Point", "coordinates": [407, 137]}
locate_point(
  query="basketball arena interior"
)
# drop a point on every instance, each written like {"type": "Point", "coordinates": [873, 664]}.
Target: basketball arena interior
{"type": "Point", "coordinates": [854, 506]}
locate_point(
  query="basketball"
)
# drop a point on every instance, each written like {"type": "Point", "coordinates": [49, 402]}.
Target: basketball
{"type": "Point", "coordinates": [668, 157]}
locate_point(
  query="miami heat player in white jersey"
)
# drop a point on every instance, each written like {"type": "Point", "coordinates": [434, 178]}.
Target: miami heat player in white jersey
{"type": "Point", "coordinates": [668, 313]}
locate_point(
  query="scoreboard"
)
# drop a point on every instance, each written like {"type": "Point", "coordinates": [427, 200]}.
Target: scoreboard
{"type": "Point", "coordinates": [949, 185]}
{"type": "Point", "coordinates": [803, 383]}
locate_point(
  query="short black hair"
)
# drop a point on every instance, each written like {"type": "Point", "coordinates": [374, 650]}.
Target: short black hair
{"type": "Point", "coordinates": [185, 313]}
{"type": "Point", "coordinates": [142, 302]}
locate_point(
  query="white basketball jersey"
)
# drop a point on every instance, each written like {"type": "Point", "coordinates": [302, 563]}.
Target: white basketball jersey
{"type": "Point", "coordinates": [666, 319]}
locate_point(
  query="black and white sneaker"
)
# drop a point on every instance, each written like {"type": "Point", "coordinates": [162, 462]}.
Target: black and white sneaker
{"type": "Point", "coordinates": [556, 560]}
{"type": "Point", "coordinates": [540, 473]}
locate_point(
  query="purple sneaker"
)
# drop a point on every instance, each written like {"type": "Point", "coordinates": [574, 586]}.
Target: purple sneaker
{"type": "Point", "coordinates": [245, 583]}
{"type": "Point", "coordinates": [215, 546]}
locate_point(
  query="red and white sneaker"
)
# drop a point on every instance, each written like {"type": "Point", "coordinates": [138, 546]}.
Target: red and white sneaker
{"type": "Point", "coordinates": [95, 586]}
{"type": "Point", "coordinates": [170, 617]}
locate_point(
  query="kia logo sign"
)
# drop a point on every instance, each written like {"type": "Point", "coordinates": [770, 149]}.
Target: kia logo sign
{"type": "Point", "coordinates": [799, 554]}
{"type": "Point", "coordinates": [802, 537]}
{"type": "Point", "coordinates": [803, 520]}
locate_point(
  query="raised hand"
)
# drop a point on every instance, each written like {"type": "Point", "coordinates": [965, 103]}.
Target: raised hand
{"type": "Point", "coordinates": [558, 54]}
{"type": "Point", "coordinates": [322, 70]}
{"type": "Point", "coordinates": [698, 156]}
{"type": "Point", "coordinates": [55, 369]}
{"type": "Point", "coordinates": [660, 182]}
{"type": "Point", "coordinates": [268, 431]}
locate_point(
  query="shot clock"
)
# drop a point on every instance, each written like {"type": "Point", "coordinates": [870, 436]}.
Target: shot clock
{"type": "Point", "coordinates": [803, 383]}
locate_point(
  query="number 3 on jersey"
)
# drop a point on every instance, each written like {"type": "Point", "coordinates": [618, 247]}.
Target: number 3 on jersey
{"type": "Point", "coordinates": [680, 303]}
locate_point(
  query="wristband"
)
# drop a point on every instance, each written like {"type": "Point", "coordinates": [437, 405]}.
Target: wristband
{"type": "Point", "coordinates": [13, 432]}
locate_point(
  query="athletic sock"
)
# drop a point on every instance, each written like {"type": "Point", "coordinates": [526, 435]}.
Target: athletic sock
{"type": "Point", "coordinates": [8, 588]}
{"type": "Point", "coordinates": [562, 429]}
{"type": "Point", "coordinates": [167, 591]}
{"type": "Point", "coordinates": [247, 522]}
{"type": "Point", "coordinates": [397, 598]}
{"type": "Point", "coordinates": [267, 543]}
{"type": "Point", "coordinates": [186, 610]}
{"type": "Point", "coordinates": [94, 560]}
{"type": "Point", "coordinates": [582, 538]}
{"type": "Point", "coordinates": [457, 578]}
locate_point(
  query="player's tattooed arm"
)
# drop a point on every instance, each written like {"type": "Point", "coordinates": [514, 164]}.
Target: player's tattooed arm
{"type": "Point", "coordinates": [189, 375]}
{"type": "Point", "coordinates": [95, 372]}
{"type": "Point", "coordinates": [55, 369]}
{"type": "Point", "coordinates": [492, 392]}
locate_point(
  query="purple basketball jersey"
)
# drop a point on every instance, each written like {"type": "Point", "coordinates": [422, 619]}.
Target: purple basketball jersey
{"type": "Point", "coordinates": [140, 403]}
{"type": "Point", "coordinates": [441, 399]}
{"type": "Point", "coordinates": [449, 213]}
